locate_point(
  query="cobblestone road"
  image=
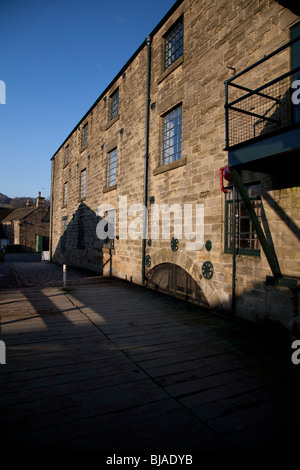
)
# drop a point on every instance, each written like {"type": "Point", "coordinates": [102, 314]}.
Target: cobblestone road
{"type": "Point", "coordinates": [27, 270]}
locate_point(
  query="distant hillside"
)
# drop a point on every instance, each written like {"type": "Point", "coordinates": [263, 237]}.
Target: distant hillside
{"type": "Point", "coordinates": [4, 199]}
{"type": "Point", "coordinates": [16, 202]}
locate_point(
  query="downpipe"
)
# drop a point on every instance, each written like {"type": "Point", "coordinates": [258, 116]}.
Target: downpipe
{"type": "Point", "coordinates": [146, 156]}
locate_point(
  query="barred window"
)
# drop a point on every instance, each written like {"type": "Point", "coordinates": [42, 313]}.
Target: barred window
{"type": "Point", "coordinates": [173, 44]}
{"type": "Point", "coordinates": [64, 226]}
{"type": "Point", "coordinates": [114, 104]}
{"type": "Point", "coordinates": [85, 134]}
{"type": "Point", "coordinates": [246, 236]}
{"type": "Point", "coordinates": [82, 184]}
{"type": "Point", "coordinates": [111, 228]}
{"type": "Point", "coordinates": [81, 241]}
{"type": "Point", "coordinates": [172, 136]}
{"type": "Point", "coordinates": [65, 194]}
{"type": "Point", "coordinates": [67, 155]}
{"type": "Point", "coordinates": [112, 168]}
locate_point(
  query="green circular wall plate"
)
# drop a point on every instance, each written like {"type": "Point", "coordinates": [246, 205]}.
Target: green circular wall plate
{"type": "Point", "coordinates": [148, 261]}
{"type": "Point", "coordinates": [174, 244]}
{"type": "Point", "coordinates": [207, 270]}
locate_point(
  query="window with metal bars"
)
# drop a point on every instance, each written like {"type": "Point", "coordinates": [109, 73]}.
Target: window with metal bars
{"type": "Point", "coordinates": [246, 240]}
{"type": "Point", "coordinates": [85, 131]}
{"type": "Point", "coordinates": [64, 226]}
{"type": "Point", "coordinates": [173, 44]}
{"type": "Point", "coordinates": [81, 241]}
{"type": "Point", "coordinates": [82, 184]}
{"type": "Point", "coordinates": [110, 228]}
{"type": "Point", "coordinates": [67, 154]}
{"type": "Point", "coordinates": [114, 104]}
{"type": "Point", "coordinates": [171, 136]}
{"type": "Point", "coordinates": [65, 198]}
{"type": "Point", "coordinates": [112, 168]}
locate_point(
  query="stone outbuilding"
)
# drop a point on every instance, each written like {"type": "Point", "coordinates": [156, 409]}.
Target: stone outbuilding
{"type": "Point", "coordinates": [27, 228]}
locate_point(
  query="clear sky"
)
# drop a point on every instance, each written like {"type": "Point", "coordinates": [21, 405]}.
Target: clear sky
{"type": "Point", "coordinates": [57, 56]}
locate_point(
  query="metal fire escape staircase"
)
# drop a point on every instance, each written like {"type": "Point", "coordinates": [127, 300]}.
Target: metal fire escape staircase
{"type": "Point", "coordinates": [263, 133]}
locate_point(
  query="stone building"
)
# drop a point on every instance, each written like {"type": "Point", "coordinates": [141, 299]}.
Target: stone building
{"type": "Point", "coordinates": [159, 136]}
{"type": "Point", "coordinates": [27, 228]}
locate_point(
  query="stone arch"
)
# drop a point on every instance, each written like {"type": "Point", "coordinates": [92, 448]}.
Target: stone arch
{"type": "Point", "coordinates": [181, 259]}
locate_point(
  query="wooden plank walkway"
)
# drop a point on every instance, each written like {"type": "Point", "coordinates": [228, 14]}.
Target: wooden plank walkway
{"type": "Point", "coordinates": [114, 367]}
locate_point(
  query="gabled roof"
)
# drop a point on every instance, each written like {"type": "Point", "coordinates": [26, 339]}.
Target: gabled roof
{"type": "Point", "coordinates": [4, 212]}
{"type": "Point", "coordinates": [19, 214]}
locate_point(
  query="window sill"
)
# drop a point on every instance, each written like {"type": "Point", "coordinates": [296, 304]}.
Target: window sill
{"type": "Point", "coordinates": [65, 165]}
{"type": "Point", "coordinates": [84, 147]}
{"type": "Point", "coordinates": [255, 253]}
{"type": "Point", "coordinates": [81, 199]}
{"type": "Point", "coordinates": [115, 119]}
{"type": "Point", "coordinates": [106, 189]}
{"type": "Point", "coordinates": [169, 166]}
{"type": "Point", "coordinates": [170, 69]}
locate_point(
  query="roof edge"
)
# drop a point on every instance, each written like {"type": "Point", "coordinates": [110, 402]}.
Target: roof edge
{"type": "Point", "coordinates": [134, 55]}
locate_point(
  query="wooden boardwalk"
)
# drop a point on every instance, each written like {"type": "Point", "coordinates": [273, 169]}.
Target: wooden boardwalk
{"type": "Point", "coordinates": [117, 368]}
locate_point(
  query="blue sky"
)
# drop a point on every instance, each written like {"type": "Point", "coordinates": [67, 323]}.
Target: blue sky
{"type": "Point", "coordinates": [57, 56]}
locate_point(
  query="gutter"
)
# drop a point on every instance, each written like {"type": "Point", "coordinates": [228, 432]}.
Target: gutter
{"type": "Point", "coordinates": [146, 156]}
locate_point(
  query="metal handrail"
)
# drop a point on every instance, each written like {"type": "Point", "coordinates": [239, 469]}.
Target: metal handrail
{"type": "Point", "coordinates": [256, 91]}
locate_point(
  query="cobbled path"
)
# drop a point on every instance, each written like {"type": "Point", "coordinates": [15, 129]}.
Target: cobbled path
{"type": "Point", "coordinates": [30, 271]}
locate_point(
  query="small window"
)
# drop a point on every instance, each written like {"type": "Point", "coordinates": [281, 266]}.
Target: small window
{"type": "Point", "coordinates": [172, 136]}
{"type": "Point", "coordinates": [85, 131]}
{"type": "Point", "coordinates": [114, 104]}
{"type": "Point", "coordinates": [111, 228]}
{"type": "Point", "coordinates": [82, 184]}
{"type": "Point", "coordinates": [67, 154]}
{"type": "Point", "coordinates": [81, 237]}
{"type": "Point", "coordinates": [173, 44]}
{"type": "Point", "coordinates": [64, 225]}
{"type": "Point", "coordinates": [112, 168]}
{"type": "Point", "coordinates": [65, 198]}
{"type": "Point", "coordinates": [246, 237]}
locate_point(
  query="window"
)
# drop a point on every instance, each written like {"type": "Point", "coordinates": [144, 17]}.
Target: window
{"type": "Point", "coordinates": [112, 168]}
{"type": "Point", "coordinates": [246, 237]}
{"type": "Point", "coordinates": [111, 228]}
{"type": "Point", "coordinates": [171, 136]}
{"type": "Point", "coordinates": [114, 104]}
{"type": "Point", "coordinates": [85, 135]}
{"type": "Point", "coordinates": [65, 198]}
{"type": "Point", "coordinates": [82, 184]}
{"type": "Point", "coordinates": [173, 44]}
{"type": "Point", "coordinates": [67, 155]}
{"type": "Point", "coordinates": [81, 231]}
{"type": "Point", "coordinates": [64, 225]}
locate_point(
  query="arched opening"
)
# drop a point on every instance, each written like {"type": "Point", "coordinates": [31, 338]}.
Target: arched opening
{"type": "Point", "coordinates": [174, 280]}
